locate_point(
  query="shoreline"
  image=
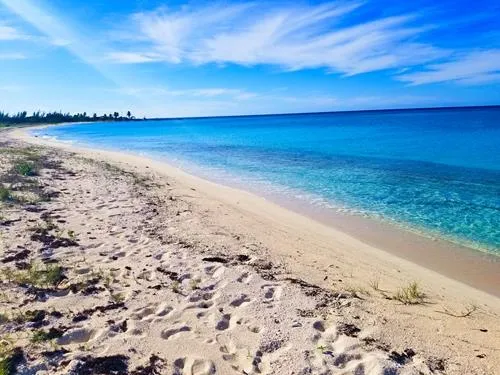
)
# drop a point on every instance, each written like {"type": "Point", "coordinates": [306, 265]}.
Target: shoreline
{"type": "Point", "coordinates": [375, 239]}
{"type": "Point", "coordinates": [157, 263]}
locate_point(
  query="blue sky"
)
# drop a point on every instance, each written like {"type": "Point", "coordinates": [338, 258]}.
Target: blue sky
{"type": "Point", "coordinates": [172, 58]}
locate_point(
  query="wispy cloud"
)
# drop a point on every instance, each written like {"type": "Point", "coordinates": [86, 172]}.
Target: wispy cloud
{"type": "Point", "coordinates": [210, 92]}
{"type": "Point", "coordinates": [12, 56]}
{"type": "Point", "coordinates": [11, 33]}
{"type": "Point", "coordinates": [59, 32]}
{"type": "Point", "coordinates": [50, 25]}
{"type": "Point", "coordinates": [475, 67]}
{"type": "Point", "coordinates": [292, 37]}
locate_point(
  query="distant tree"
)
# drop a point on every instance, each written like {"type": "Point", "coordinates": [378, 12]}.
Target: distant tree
{"type": "Point", "coordinates": [38, 117]}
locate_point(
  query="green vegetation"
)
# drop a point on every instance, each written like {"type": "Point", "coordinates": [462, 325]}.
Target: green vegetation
{"type": "Point", "coordinates": [42, 336]}
{"type": "Point", "coordinates": [9, 357]}
{"type": "Point", "coordinates": [25, 168]}
{"type": "Point", "coordinates": [176, 287]}
{"type": "Point", "coordinates": [117, 297]}
{"type": "Point", "coordinates": [6, 366]}
{"type": "Point", "coordinates": [57, 117]}
{"type": "Point", "coordinates": [28, 316]}
{"type": "Point", "coordinates": [39, 276]}
{"type": "Point", "coordinates": [410, 295]}
{"type": "Point", "coordinates": [5, 194]}
{"type": "Point", "coordinates": [71, 235]}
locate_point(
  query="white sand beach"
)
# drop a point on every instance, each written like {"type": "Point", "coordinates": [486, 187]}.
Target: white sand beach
{"type": "Point", "coordinates": [166, 273]}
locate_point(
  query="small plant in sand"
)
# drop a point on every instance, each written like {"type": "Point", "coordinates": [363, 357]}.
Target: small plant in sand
{"type": "Point", "coordinates": [176, 287]}
{"type": "Point", "coordinates": [43, 336]}
{"type": "Point", "coordinates": [5, 194]}
{"type": "Point", "coordinates": [323, 349]}
{"type": "Point", "coordinates": [358, 291]}
{"type": "Point", "coordinates": [28, 316]}
{"type": "Point", "coordinates": [3, 318]}
{"type": "Point", "coordinates": [25, 168]}
{"type": "Point", "coordinates": [410, 294]}
{"type": "Point", "coordinates": [71, 235]}
{"type": "Point", "coordinates": [374, 284]}
{"type": "Point", "coordinates": [195, 283]}
{"type": "Point", "coordinates": [117, 297]}
{"type": "Point", "coordinates": [9, 357]}
{"type": "Point", "coordinates": [39, 276]}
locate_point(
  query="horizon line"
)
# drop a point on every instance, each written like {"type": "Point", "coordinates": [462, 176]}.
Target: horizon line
{"type": "Point", "coordinates": [467, 107]}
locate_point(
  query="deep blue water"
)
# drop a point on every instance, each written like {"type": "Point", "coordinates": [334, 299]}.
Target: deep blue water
{"type": "Point", "coordinates": [434, 171]}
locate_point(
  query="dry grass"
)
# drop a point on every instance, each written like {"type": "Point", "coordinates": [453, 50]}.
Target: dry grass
{"type": "Point", "coordinates": [410, 294]}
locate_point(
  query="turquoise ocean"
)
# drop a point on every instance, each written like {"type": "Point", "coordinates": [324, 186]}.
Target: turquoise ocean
{"type": "Point", "coordinates": [435, 171]}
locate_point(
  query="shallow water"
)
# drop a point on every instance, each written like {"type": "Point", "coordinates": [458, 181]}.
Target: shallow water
{"type": "Point", "coordinates": [434, 171]}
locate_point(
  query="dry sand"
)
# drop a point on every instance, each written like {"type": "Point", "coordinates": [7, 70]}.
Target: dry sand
{"type": "Point", "coordinates": [189, 277]}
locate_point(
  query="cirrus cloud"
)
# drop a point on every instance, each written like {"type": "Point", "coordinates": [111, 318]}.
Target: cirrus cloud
{"type": "Point", "coordinates": [476, 67]}
{"type": "Point", "coordinates": [293, 38]}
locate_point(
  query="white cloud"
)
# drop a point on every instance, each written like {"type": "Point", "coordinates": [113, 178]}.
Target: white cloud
{"type": "Point", "coordinates": [10, 33]}
{"type": "Point", "coordinates": [132, 57]}
{"type": "Point", "coordinates": [292, 37]}
{"type": "Point", "coordinates": [477, 67]}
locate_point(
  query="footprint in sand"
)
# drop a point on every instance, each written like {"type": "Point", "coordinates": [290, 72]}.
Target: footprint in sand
{"type": "Point", "coordinates": [227, 347]}
{"type": "Point", "coordinates": [169, 333]}
{"type": "Point", "coordinates": [223, 324]}
{"type": "Point", "coordinates": [271, 292]}
{"type": "Point", "coordinates": [244, 278]}
{"type": "Point", "coordinates": [76, 336]}
{"type": "Point", "coordinates": [143, 312]}
{"type": "Point", "coordinates": [163, 310]}
{"type": "Point", "coordinates": [240, 300]}
{"type": "Point", "coordinates": [193, 366]}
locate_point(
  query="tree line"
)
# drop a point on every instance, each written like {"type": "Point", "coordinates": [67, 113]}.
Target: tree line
{"type": "Point", "coordinates": [40, 117]}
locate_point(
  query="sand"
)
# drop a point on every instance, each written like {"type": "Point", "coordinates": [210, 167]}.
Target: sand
{"type": "Point", "coordinates": [190, 277]}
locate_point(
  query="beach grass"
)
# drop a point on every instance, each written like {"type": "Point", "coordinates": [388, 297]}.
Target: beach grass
{"type": "Point", "coordinates": [26, 168]}
{"type": "Point", "coordinates": [38, 276]}
{"type": "Point", "coordinates": [410, 294]}
{"type": "Point", "coordinates": [5, 194]}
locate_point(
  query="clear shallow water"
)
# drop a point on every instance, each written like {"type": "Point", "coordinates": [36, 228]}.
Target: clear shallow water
{"type": "Point", "coordinates": [434, 171]}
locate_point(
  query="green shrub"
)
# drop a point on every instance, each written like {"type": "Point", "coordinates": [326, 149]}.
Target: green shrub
{"type": "Point", "coordinates": [4, 194]}
{"type": "Point", "coordinates": [50, 275]}
{"type": "Point", "coordinates": [42, 336]}
{"type": "Point", "coordinates": [25, 169]}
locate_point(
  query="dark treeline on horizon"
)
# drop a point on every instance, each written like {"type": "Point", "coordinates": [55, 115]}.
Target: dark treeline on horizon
{"type": "Point", "coordinates": [39, 117]}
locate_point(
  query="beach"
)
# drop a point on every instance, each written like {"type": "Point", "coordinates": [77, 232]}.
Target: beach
{"type": "Point", "coordinates": [186, 276]}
